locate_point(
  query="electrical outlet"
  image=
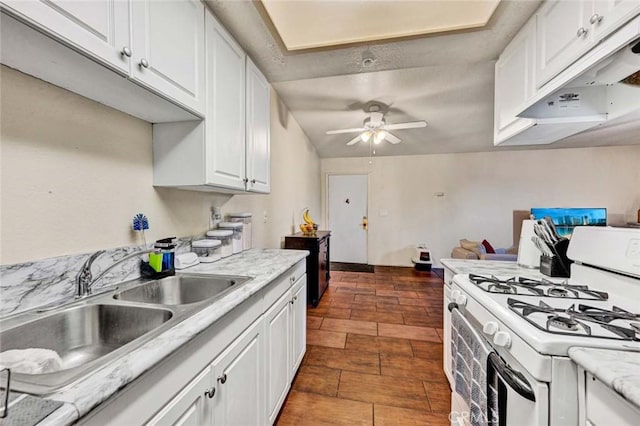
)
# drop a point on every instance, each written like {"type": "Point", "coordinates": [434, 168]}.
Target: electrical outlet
{"type": "Point", "coordinates": [633, 249]}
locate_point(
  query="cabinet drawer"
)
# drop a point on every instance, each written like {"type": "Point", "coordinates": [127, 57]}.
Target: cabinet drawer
{"type": "Point", "coordinates": [282, 284]}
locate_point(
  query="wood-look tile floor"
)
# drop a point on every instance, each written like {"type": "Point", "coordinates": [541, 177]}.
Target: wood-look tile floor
{"type": "Point", "coordinates": [374, 353]}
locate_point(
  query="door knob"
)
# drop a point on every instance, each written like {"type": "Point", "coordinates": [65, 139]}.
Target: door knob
{"type": "Point", "coordinates": [126, 52]}
{"type": "Point", "coordinates": [582, 31]}
{"type": "Point", "coordinates": [144, 63]}
{"type": "Point", "coordinates": [365, 223]}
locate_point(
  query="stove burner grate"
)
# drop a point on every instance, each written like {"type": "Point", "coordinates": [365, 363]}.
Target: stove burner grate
{"type": "Point", "coordinates": [571, 321]}
{"type": "Point", "coordinates": [531, 287]}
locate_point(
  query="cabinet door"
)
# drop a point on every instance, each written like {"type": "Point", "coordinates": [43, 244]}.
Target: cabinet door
{"type": "Point", "coordinates": [564, 34]}
{"type": "Point", "coordinates": [99, 28]}
{"type": "Point", "coordinates": [225, 122]}
{"type": "Point", "coordinates": [258, 128]}
{"type": "Point", "coordinates": [239, 376]}
{"type": "Point", "coordinates": [608, 15]}
{"type": "Point", "coordinates": [514, 82]}
{"type": "Point", "coordinates": [168, 49]}
{"type": "Point", "coordinates": [278, 355]}
{"type": "Point", "coordinates": [191, 406]}
{"type": "Point", "coordinates": [298, 323]}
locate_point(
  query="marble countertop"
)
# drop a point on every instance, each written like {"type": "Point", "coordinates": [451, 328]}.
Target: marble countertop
{"type": "Point", "coordinates": [620, 370]}
{"type": "Point", "coordinates": [264, 265]}
{"type": "Point", "coordinates": [491, 267]}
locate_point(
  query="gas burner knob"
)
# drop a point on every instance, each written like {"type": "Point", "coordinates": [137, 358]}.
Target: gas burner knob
{"type": "Point", "coordinates": [455, 294]}
{"type": "Point", "coordinates": [461, 300]}
{"type": "Point", "coordinates": [502, 338]}
{"type": "Point", "coordinates": [490, 328]}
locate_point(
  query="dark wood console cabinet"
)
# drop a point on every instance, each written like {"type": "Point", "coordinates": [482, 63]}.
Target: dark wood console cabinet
{"type": "Point", "coordinates": [318, 272]}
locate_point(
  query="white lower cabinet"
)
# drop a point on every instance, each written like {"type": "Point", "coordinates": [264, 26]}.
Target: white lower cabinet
{"type": "Point", "coordinates": [190, 406]}
{"type": "Point", "coordinates": [298, 308]}
{"type": "Point", "coordinates": [285, 325]}
{"type": "Point", "coordinates": [278, 332]}
{"type": "Point", "coordinates": [228, 392]}
{"type": "Point", "coordinates": [245, 384]}
{"type": "Point", "coordinates": [239, 381]}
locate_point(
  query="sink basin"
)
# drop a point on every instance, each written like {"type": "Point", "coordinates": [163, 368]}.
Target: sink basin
{"type": "Point", "coordinates": [181, 289]}
{"type": "Point", "coordinates": [81, 334]}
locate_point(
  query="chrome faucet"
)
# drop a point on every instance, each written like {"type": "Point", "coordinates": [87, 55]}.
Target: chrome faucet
{"type": "Point", "coordinates": [84, 279]}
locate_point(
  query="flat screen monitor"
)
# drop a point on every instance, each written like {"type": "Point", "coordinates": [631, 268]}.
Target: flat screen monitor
{"type": "Point", "coordinates": [566, 219]}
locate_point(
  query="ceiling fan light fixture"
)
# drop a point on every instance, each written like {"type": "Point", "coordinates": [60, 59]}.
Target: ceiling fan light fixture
{"type": "Point", "coordinates": [378, 136]}
{"type": "Point", "coordinates": [365, 136]}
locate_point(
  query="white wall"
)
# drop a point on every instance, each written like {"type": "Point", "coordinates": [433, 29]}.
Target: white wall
{"type": "Point", "coordinates": [75, 172]}
{"type": "Point", "coordinates": [481, 191]}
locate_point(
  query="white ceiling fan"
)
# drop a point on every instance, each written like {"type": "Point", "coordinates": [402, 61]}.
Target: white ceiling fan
{"type": "Point", "coordinates": [375, 128]}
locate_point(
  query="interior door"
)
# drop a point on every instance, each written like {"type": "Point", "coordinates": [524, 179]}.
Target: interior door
{"type": "Point", "coordinates": [347, 210]}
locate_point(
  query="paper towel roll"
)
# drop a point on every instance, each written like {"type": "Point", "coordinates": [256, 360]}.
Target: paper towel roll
{"type": "Point", "coordinates": [528, 253]}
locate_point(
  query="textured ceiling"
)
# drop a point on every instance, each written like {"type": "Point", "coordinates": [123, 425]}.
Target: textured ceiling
{"type": "Point", "coordinates": [244, 20]}
{"type": "Point", "coordinates": [445, 79]}
{"type": "Point", "coordinates": [320, 23]}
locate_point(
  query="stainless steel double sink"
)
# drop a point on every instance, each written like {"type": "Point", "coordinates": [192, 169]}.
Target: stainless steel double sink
{"type": "Point", "coordinates": [89, 333]}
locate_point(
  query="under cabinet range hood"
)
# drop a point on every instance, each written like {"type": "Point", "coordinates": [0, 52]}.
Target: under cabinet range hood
{"type": "Point", "coordinates": [600, 87]}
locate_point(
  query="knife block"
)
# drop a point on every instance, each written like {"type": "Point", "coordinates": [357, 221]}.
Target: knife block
{"type": "Point", "coordinates": [558, 265]}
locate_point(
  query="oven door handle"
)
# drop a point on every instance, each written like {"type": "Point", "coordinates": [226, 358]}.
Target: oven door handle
{"type": "Point", "coordinates": [514, 379]}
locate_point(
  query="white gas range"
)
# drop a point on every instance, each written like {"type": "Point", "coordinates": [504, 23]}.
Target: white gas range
{"type": "Point", "coordinates": [530, 324]}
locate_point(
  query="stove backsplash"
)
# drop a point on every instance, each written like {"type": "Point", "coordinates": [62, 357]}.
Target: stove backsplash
{"type": "Point", "coordinates": [28, 285]}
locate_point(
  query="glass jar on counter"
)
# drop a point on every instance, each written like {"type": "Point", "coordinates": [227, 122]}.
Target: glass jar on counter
{"type": "Point", "coordinates": [225, 237]}
{"type": "Point", "coordinates": [245, 219]}
{"type": "Point", "coordinates": [208, 250]}
{"type": "Point", "coordinates": [236, 228]}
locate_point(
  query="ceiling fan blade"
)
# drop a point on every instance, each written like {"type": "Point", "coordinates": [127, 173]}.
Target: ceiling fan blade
{"type": "Point", "coordinates": [408, 125]}
{"type": "Point", "coordinates": [355, 129]}
{"type": "Point", "coordinates": [354, 141]}
{"type": "Point", "coordinates": [391, 138]}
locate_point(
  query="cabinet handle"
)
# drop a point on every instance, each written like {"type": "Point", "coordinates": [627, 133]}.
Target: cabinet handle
{"type": "Point", "coordinates": [223, 379]}
{"type": "Point", "coordinates": [292, 279]}
{"type": "Point", "coordinates": [295, 298]}
{"type": "Point", "coordinates": [582, 31]}
{"type": "Point", "coordinates": [253, 181]}
{"type": "Point", "coordinates": [144, 63]}
{"type": "Point", "coordinates": [126, 52]}
{"type": "Point", "coordinates": [595, 19]}
{"type": "Point", "coordinates": [245, 180]}
{"type": "Point", "coordinates": [210, 392]}
{"type": "Point", "coordinates": [291, 302]}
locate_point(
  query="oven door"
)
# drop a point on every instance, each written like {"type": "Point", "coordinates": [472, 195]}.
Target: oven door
{"type": "Point", "coordinates": [520, 400]}
{"type": "Point", "coordinates": [517, 398]}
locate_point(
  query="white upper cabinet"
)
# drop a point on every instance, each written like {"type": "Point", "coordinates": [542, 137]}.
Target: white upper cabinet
{"type": "Point", "coordinates": [225, 112]}
{"type": "Point", "coordinates": [610, 14]}
{"type": "Point", "coordinates": [514, 83]}
{"type": "Point", "coordinates": [99, 28]}
{"type": "Point", "coordinates": [258, 125]}
{"type": "Point", "coordinates": [564, 34]}
{"type": "Point", "coordinates": [569, 28]}
{"type": "Point", "coordinates": [168, 49]}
